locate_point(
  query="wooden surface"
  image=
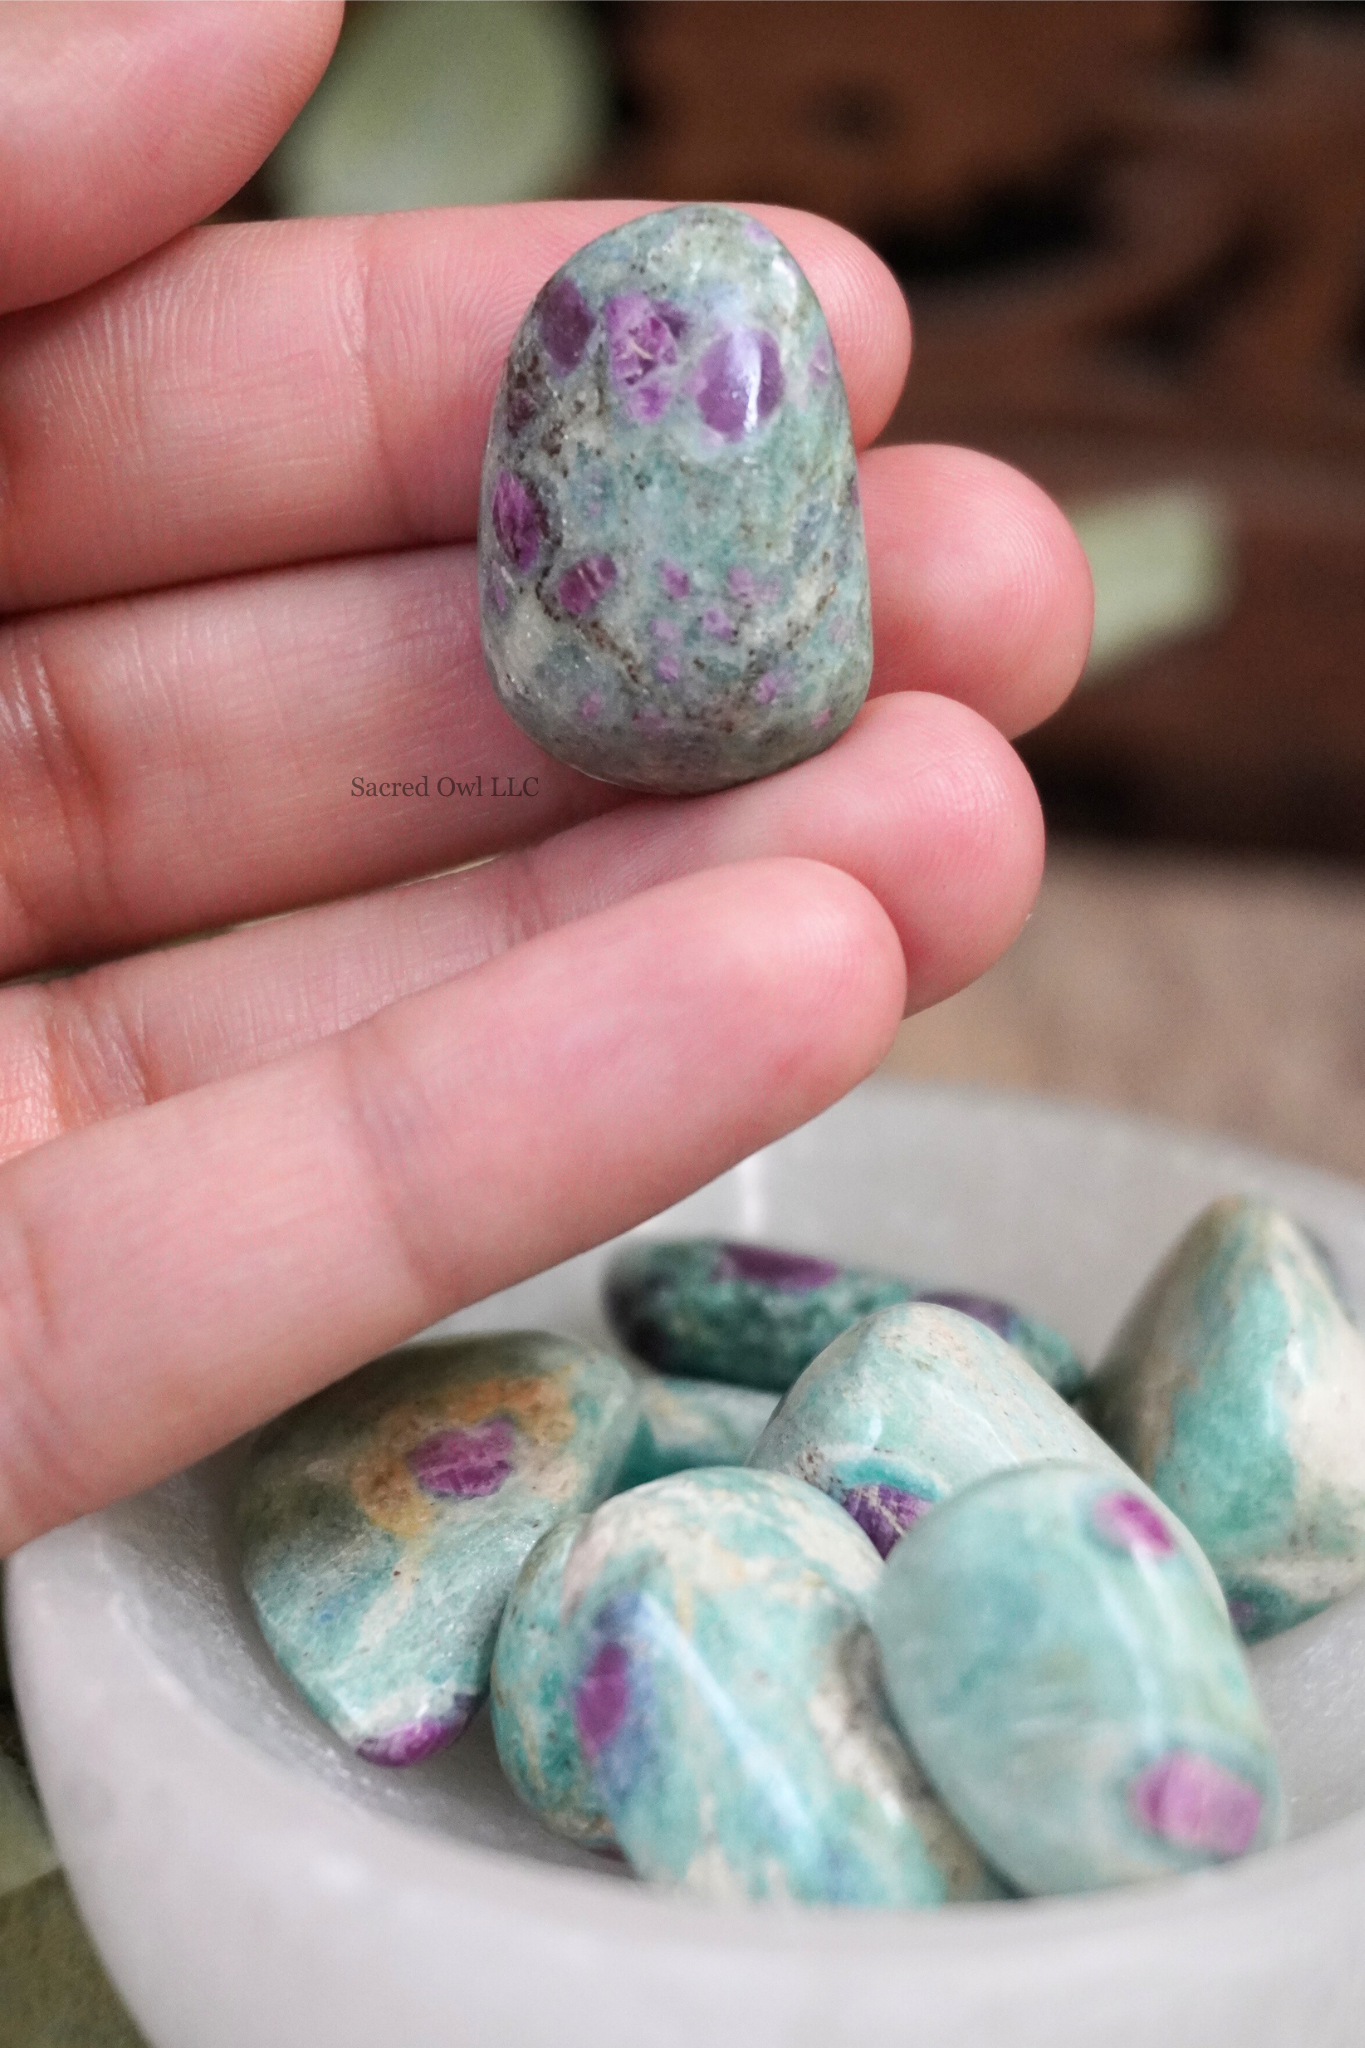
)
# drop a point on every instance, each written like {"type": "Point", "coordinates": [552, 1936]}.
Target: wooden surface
{"type": "Point", "coordinates": [1221, 993]}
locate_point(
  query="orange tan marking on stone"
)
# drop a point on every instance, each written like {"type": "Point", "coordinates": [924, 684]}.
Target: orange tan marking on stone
{"type": "Point", "coordinates": [384, 1488]}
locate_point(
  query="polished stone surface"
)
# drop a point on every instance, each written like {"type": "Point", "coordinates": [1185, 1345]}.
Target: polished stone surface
{"type": "Point", "coordinates": [713, 1308]}
{"type": "Point", "coordinates": [1072, 1686]}
{"type": "Point", "coordinates": [686, 1422]}
{"type": "Point", "coordinates": [908, 1406]}
{"type": "Point", "coordinates": [532, 1707]}
{"type": "Point", "coordinates": [1053, 1356]}
{"type": "Point", "coordinates": [726, 1698]}
{"type": "Point", "coordinates": [674, 585]}
{"type": "Point", "coordinates": [1236, 1386]}
{"type": "Point", "coordinates": [756, 1316]}
{"type": "Point", "coordinates": [384, 1522]}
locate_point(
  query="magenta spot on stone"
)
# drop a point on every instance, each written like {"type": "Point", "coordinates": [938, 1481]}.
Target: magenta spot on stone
{"type": "Point", "coordinates": [788, 1272]}
{"type": "Point", "coordinates": [565, 323]}
{"type": "Point", "coordinates": [642, 338]}
{"type": "Point", "coordinates": [465, 1464]}
{"type": "Point", "coordinates": [821, 366]}
{"type": "Point", "coordinates": [1195, 1803]}
{"type": "Point", "coordinates": [667, 630]}
{"type": "Point", "coordinates": [775, 684]}
{"type": "Point", "coordinates": [495, 587]}
{"type": "Point", "coordinates": [996, 1315]}
{"type": "Point", "coordinates": [649, 401]}
{"type": "Point", "coordinates": [590, 707]}
{"type": "Point", "coordinates": [602, 1698]}
{"type": "Point", "coordinates": [518, 520]}
{"type": "Point", "coordinates": [821, 718]}
{"type": "Point", "coordinates": [582, 586]}
{"type": "Point", "coordinates": [420, 1739]}
{"type": "Point", "coordinates": [675, 581]}
{"type": "Point", "coordinates": [740, 382]}
{"type": "Point", "coordinates": [741, 585]}
{"type": "Point", "coordinates": [756, 231]}
{"type": "Point", "coordinates": [717, 623]}
{"type": "Point", "coordinates": [649, 719]}
{"type": "Point", "coordinates": [1128, 1522]}
{"type": "Point", "coordinates": [667, 669]}
{"type": "Point", "coordinates": [885, 1512]}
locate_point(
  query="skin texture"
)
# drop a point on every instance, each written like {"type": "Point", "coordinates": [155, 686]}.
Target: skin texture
{"type": "Point", "coordinates": [238, 476]}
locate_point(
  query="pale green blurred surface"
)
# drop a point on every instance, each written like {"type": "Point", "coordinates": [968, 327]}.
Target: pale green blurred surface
{"type": "Point", "coordinates": [429, 103]}
{"type": "Point", "coordinates": [1163, 565]}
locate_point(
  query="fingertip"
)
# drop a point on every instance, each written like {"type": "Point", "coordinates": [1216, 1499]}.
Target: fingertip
{"type": "Point", "coordinates": [857, 977]}
{"type": "Point", "coordinates": [959, 856]}
{"type": "Point", "coordinates": [124, 124]}
{"type": "Point", "coordinates": [981, 590]}
{"type": "Point", "coordinates": [806, 943]}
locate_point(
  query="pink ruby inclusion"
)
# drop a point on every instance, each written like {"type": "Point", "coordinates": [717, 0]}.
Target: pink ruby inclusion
{"type": "Point", "coordinates": [788, 1272]}
{"type": "Point", "coordinates": [741, 382]}
{"type": "Point", "coordinates": [465, 1464]}
{"type": "Point", "coordinates": [602, 1698]}
{"type": "Point", "coordinates": [1129, 1522]}
{"type": "Point", "coordinates": [1197, 1804]}
{"type": "Point", "coordinates": [518, 520]}
{"type": "Point", "coordinates": [566, 321]}
{"type": "Point", "coordinates": [582, 586]}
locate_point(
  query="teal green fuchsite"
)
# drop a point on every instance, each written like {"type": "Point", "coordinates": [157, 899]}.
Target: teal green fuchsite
{"type": "Point", "coordinates": [533, 1724]}
{"type": "Point", "coordinates": [1236, 1386]}
{"type": "Point", "coordinates": [715, 1308]}
{"type": "Point", "coordinates": [725, 1696]}
{"type": "Point", "coordinates": [908, 1406]}
{"type": "Point", "coordinates": [684, 1423]}
{"type": "Point", "coordinates": [384, 1522]}
{"type": "Point", "coordinates": [674, 589]}
{"type": "Point", "coordinates": [1072, 1686]}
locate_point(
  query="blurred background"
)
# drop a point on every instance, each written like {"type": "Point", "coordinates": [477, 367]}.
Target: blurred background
{"type": "Point", "coordinates": [1133, 239]}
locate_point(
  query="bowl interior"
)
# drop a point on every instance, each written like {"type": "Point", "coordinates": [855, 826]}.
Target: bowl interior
{"type": "Point", "coordinates": [1061, 1209]}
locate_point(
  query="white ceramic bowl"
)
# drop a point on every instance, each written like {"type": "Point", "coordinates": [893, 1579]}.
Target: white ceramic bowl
{"type": "Point", "coordinates": [252, 1885]}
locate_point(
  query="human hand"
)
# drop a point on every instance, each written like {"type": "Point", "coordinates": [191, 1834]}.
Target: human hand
{"type": "Point", "coordinates": [237, 497]}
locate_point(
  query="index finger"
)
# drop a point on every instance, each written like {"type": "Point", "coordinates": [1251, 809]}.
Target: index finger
{"type": "Point", "coordinates": [98, 160]}
{"type": "Point", "coordinates": [258, 395]}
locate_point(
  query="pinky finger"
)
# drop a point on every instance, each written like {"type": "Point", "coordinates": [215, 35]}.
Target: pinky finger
{"type": "Point", "coordinates": [173, 1277]}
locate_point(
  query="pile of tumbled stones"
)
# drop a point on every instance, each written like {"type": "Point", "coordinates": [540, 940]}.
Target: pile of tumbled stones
{"type": "Point", "coordinates": [950, 1619]}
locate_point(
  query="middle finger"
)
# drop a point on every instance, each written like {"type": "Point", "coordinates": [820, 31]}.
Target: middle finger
{"type": "Point", "coordinates": [189, 758]}
{"type": "Point", "coordinates": [266, 394]}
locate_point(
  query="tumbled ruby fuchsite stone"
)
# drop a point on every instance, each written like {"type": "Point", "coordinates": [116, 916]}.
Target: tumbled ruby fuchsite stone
{"type": "Point", "coordinates": [674, 583]}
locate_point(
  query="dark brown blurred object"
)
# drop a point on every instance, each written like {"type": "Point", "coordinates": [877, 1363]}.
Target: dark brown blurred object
{"type": "Point", "coordinates": [1134, 241]}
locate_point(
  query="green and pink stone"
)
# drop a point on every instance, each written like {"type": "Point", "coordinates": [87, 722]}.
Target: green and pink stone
{"type": "Point", "coordinates": [717, 1669]}
{"type": "Point", "coordinates": [384, 1522]}
{"type": "Point", "coordinates": [1064, 1669]}
{"type": "Point", "coordinates": [1236, 1387]}
{"type": "Point", "coordinates": [911, 1404]}
{"type": "Point", "coordinates": [673, 575]}
{"type": "Point", "coordinates": [753, 1315]}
